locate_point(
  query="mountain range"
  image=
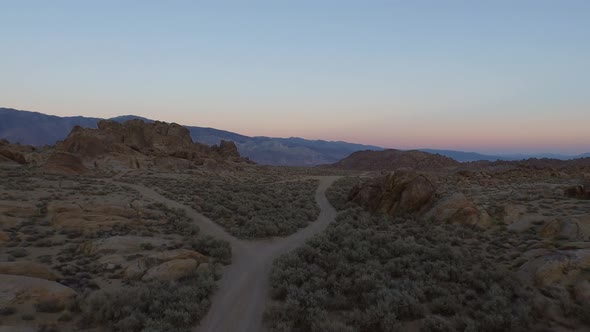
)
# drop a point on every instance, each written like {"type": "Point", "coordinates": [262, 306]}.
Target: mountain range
{"type": "Point", "coordinates": [39, 129]}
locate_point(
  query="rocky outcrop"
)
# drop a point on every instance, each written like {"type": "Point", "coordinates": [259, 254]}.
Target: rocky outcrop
{"type": "Point", "coordinates": [29, 269]}
{"type": "Point", "coordinates": [64, 163]}
{"type": "Point", "coordinates": [457, 209]}
{"type": "Point", "coordinates": [154, 262]}
{"type": "Point", "coordinates": [578, 192]}
{"type": "Point", "coordinates": [392, 160]}
{"type": "Point", "coordinates": [409, 193]}
{"type": "Point", "coordinates": [576, 228]}
{"type": "Point", "coordinates": [21, 290]}
{"type": "Point", "coordinates": [20, 154]}
{"type": "Point", "coordinates": [171, 270]}
{"type": "Point", "coordinates": [399, 193]}
{"type": "Point", "coordinates": [89, 219]}
{"type": "Point", "coordinates": [135, 144]}
{"type": "Point", "coordinates": [557, 266]}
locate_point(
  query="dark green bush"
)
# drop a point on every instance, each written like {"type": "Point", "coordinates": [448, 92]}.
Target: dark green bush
{"type": "Point", "coordinates": [371, 273]}
{"type": "Point", "coordinates": [151, 306]}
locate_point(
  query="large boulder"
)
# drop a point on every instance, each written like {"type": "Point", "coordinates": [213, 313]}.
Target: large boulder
{"type": "Point", "coordinates": [576, 228]}
{"type": "Point", "coordinates": [139, 267]}
{"type": "Point", "coordinates": [578, 192]}
{"type": "Point", "coordinates": [400, 192]}
{"type": "Point", "coordinates": [171, 270]}
{"type": "Point", "coordinates": [64, 163]}
{"type": "Point", "coordinates": [21, 290]}
{"type": "Point", "coordinates": [513, 213]}
{"type": "Point", "coordinates": [90, 219]}
{"type": "Point", "coordinates": [456, 208]}
{"type": "Point", "coordinates": [561, 266]}
{"type": "Point", "coordinates": [29, 269]}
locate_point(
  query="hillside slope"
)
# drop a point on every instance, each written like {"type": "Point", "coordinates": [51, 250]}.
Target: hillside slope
{"type": "Point", "coordinates": [393, 159]}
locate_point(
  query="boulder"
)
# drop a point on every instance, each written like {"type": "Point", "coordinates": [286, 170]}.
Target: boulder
{"type": "Point", "coordinates": [398, 193]}
{"type": "Point", "coordinates": [578, 192]}
{"type": "Point", "coordinates": [10, 154]}
{"type": "Point", "coordinates": [140, 266]}
{"type": "Point", "coordinates": [455, 208]}
{"type": "Point", "coordinates": [228, 149]}
{"type": "Point", "coordinates": [92, 218]}
{"type": "Point", "coordinates": [21, 290]}
{"type": "Point", "coordinates": [513, 212]}
{"type": "Point", "coordinates": [169, 255]}
{"type": "Point", "coordinates": [171, 270]}
{"type": "Point", "coordinates": [64, 163]}
{"type": "Point", "coordinates": [558, 266]}
{"type": "Point", "coordinates": [29, 269]}
{"type": "Point", "coordinates": [576, 228]}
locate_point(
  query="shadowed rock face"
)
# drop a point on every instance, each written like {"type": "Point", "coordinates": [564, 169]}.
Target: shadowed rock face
{"type": "Point", "coordinates": [135, 144]}
{"type": "Point", "coordinates": [398, 193]}
{"type": "Point", "coordinates": [14, 153]}
{"type": "Point", "coordinates": [406, 192]}
{"type": "Point", "coordinates": [579, 192]}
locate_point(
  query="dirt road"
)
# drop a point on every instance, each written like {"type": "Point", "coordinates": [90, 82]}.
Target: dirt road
{"type": "Point", "coordinates": [240, 301]}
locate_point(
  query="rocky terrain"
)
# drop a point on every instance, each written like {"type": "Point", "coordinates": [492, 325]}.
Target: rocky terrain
{"type": "Point", "coordinates": [97, 233]}
{"type": "Point", "coordinates": [135, 144]}
{"type": "Point", "coordinates": [485, 247]}
{"type": "Point", "coordinates": [393, 159]}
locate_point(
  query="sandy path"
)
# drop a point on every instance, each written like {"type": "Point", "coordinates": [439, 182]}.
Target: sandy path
{"type": "Point", "coordinates": [240, 301]}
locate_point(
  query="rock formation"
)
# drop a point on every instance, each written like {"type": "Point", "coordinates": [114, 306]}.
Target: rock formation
{"type": "Point", "coordinates": [409, 193]}
{"type": "Point", "coordinates": [398, 193]}
{"type": "Point", "coordinates": [134, 144]}
{"type": "Point", "coordinates": [393, 160]}
{"type": "Point", "coordinates": [579, 192]}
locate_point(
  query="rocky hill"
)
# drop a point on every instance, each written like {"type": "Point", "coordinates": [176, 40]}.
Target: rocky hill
{"type": "Point", "coordinates": [392, 160]}
{"type": "Point", "coordinates": [135, 144]}
{"type": "Point", "coordinates": [40, 129]}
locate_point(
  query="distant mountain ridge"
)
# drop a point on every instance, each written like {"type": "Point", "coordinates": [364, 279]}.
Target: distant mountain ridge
{"type": "Point", "coordinates": [39, 129]}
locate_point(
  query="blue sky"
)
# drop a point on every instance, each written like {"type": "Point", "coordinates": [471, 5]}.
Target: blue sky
{"type": "Point", "coordinates": [490, 76]}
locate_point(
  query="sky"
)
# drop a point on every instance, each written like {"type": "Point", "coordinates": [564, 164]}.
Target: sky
{"type": "Point", "coordinates": [489, 76]}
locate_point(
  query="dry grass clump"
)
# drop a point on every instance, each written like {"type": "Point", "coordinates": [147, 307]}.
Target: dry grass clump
{"type": "Point", "coordinates": [371, 273]}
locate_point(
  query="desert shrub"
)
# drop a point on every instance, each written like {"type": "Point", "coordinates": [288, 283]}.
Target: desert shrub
{"type": "Point", "coordinates": [372, 273]}
{"type": "Point", "coordinates": [49, 306]}
{"type": "Point", "coordinates": [248, 207]}
{"type": "Point", "coordinates": [151, 306]}
{"type": "Point", "coordinates": [7, 311]}
{"type": "Point", "coordinates": [220, 250]}
{"type": "Point", "coordinates": [338, 192]}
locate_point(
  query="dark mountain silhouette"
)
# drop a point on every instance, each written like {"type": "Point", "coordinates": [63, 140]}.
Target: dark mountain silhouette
{"type": "Point", "coordinates": [391, 159]}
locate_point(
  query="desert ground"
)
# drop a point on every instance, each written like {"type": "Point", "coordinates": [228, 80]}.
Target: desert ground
{"type": "Point", "coordinates": [112, 230]}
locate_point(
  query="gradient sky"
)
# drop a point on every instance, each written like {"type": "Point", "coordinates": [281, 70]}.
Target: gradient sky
{"type": "Point", "coordinates": [490, 76]}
